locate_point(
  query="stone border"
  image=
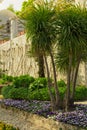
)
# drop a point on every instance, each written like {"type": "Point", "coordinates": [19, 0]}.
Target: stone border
{"type": "Point", "coordinates": [27, 121]}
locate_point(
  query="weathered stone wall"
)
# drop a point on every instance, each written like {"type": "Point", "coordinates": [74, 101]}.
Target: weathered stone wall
{"type": "Point", "coordinates": [81, 2]}
{"type": "Point", "coordinates": [15, 60]}
{"type": "Point", "coordinates": [27, 121]}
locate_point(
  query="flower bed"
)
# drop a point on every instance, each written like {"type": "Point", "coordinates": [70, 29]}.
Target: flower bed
{"type": "Point", "coordinates": [78, 117]}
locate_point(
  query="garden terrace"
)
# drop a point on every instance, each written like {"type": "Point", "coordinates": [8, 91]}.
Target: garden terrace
{"type": "Point", "coordinates": [27, 115]}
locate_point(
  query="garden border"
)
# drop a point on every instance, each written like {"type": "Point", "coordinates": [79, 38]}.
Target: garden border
{"type": "Point", "coordinates": [27, 121]}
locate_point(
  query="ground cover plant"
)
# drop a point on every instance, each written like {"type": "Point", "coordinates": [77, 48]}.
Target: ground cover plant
{"type": "Point", "coordinates": [77, 117]}
{"type": "Point", "coordinates": [4, 126]}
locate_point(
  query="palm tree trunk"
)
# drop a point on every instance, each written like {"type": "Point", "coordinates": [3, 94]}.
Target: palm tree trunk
{"type": "Point", "coordinates": [41, 65]}
{"type": "Point", "coordinates": [74, 83]}
{"type": "Point", "coordinates": [67, 100]}
{"type": "Point", "coordinates": [55, 82]}
{"type": "Point", "coordinates": [49, 86]}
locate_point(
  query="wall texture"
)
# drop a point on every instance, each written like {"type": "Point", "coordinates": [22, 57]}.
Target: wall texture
{"type": "Point", "coordinates": [14, 59]}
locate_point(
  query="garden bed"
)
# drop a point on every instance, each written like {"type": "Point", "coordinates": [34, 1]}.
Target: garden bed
{"type": "Point", "coordinates": [77, 118]}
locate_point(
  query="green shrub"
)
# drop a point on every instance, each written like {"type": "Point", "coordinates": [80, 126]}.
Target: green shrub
{"type": "Point", "coordinates": [43, 94]}
{"type": "Point", "coordinates": [23, 81]}
{"type": "Point", "coordinates": [18, 93]}
{"type": "Point", "coordinates": [39, 94]}
{"type": "Point", "coordinates": [38, 91]}
{"type": "Point", "coordinates": [6, 90]}
{"type": "Point", "coordinates": [38, 84]}
{"type": "Point", "coordinates": [81, 93]}
{"type": "Point", "coordinates": [14, 93]}
{"type": "Point", "coordinates": [61, 83]}
{"type": "Point", "coordinates": [7, 78]}
{"type": "Point", "coordinates": [2, 81]}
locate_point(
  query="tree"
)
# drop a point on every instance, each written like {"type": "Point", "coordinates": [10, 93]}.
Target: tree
{"type": "Point", "coordinates": [40, 31]}
{"type": "Point", "coordinates": [72, 42]}
{"type": "Point", "coordinates": [25, 10]}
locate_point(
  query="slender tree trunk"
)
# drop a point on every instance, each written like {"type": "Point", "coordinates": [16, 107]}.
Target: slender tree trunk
{"type": "Point", "coordinates": [72, 75]}
{"type": "Point", "coordinates": [67, 100]}
{"type": "Point", "coordinates": [74, 83]}
{"type": "Point", "coordinates": [49, 86]}
{"type": "Point", "coordinates": [41, 65]}
{"type": "Point", "coordinates": [55, 82]}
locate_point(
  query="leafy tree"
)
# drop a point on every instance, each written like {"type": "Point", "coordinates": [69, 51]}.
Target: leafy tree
{"type": "Point", "coordinates": [40, 31]}
{"type": "Point", "coordinates": [72, 42]}
{"type": "Point", "coordinates": [26, 7]}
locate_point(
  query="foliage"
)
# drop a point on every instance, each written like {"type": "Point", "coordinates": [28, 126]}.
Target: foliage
{"type": "Point", "coordinates": [81, 93]}
{"type": "Point", "coordinates": [2, 81]}
{"type": "Point", "coordinates": [39, 94]}
{"type": "Point", "coordinates": [6, 91]}
{"type": "Point", "coordinates": [18, 93]}
{"type": "Point", "coordinates": [38, 84]}
{"type": "Point", "coordinates": [71, 38]}
{"type": "Point", "coordinates": [42, 94]}
{"type": "Point", "coordinates": [38, 90]}
{"type": "Point", "coordinates": [4, 126]}
{"type": "Point", "coordinates": [8, 78]}
{"type": "Point", "coordinates": [61, 83]}
{"type": "Point", "coordinates": [23, 81]}
{"type": "Point", "coordinates": [14, 93]}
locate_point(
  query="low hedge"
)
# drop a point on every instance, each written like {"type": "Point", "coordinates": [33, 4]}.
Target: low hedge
{"type": "Point", "coordinates": [40, 94]}
{"type": "Point", "coordinates": [81, 93]}
{"type": "Point", "coordinates": [14, 93]}
{"type": "Point", "coordinates": [23, 81]}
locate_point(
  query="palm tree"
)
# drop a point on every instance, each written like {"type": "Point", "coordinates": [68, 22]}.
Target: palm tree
{"type": "Point", "coordinates": [40, 30]}
{"type": "Point", "coordinates": [72, 42]}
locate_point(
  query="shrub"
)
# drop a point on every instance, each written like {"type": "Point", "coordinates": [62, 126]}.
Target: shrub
{"type": "Point", "coordinates": [81, 93]}
{"type": "Point", "coordinates": [5, 91]}
{"type": "Point", "coordinates": [38, 91]}
{"type": "Point", "coordinates": [2, 81]}
{"type": "Point", "coordinates": [39, 94]}
{"type": "Point", "coordinates": [23, 81]}
{"type": "Point", "coordinates": [43, 94]}
{"type": "Point", "coordinates": [38, 84]}
{"type": "Point", "coordinates": [7, 78]}
{"type": "Point", "coordinates": [61, 83]}
{"type": "Point", "coordinates": [18, 93]}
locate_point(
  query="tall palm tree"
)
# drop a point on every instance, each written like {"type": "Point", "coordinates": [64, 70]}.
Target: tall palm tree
{"type": "Point", "coordinates": [72, 32]}
{"type": "Point", "coordinates": [40, 30]}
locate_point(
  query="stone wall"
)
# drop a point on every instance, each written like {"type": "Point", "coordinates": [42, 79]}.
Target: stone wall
{"type": "Point", "coordinates": [81, 2]}
{"type": "Point", "coordinates": [27, 121]}
{"type": "Point", "coordinates": [15, 61]}
{"type": "Point", "coordinates": [14, 58]}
